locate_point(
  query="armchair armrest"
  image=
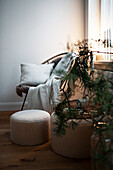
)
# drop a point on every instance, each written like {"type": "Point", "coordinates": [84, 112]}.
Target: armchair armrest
{"type": "Point", "coordinates": [22, 89]}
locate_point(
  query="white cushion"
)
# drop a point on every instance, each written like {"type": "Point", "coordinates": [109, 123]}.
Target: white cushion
{"type": "Point", "coordinates": [63, 65]}
{"type": "Point", "coordinates": [32, 74]}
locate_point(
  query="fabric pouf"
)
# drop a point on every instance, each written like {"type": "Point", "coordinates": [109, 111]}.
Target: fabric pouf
{"type": "Point", "coordinates": [75, 143]}
{"type": "Point", "coordinates": [30, 127]}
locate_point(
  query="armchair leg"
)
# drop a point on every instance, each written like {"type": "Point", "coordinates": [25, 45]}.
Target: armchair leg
{"type": "Point", "coordinates": [24, 101]}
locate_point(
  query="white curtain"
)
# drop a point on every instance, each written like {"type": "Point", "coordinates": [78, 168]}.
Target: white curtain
{"type": "Point", "coordinates": [107, 26]}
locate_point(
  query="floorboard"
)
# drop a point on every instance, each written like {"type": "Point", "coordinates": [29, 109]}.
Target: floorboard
{"type": "Point", "coordinates": [15, 157]}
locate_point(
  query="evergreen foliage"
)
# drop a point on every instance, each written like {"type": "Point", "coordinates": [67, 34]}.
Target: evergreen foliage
{"type": "Point", "coordinates": [97, 90]}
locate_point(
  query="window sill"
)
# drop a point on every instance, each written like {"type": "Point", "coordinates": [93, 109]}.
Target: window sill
{"type": "Point", "coordinates": [103, 65]}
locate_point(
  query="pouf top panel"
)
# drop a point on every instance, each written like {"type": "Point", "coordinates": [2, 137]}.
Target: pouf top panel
{"type": "Point", "coordinates": [30, 115]}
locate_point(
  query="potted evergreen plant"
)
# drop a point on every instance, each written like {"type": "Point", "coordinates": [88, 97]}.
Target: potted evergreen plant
{"type": "Point", "coordinates": [96, 103]}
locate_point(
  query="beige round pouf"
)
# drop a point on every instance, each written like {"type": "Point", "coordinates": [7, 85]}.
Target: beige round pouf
{"type": "Point", "coordinates": [75, 143]}
{"type": "Point", "coordinates": [30, 127]}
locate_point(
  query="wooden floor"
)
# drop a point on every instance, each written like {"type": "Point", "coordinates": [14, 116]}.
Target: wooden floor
{"type": "Point", "coordinates": [33, 157]}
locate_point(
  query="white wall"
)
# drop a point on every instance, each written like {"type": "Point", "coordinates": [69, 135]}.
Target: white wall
{"type": "Point", "coordinates": [32, 31]}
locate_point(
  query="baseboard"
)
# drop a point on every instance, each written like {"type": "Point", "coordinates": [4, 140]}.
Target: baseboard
{"type": "Point", "coordinates": [10, 106]}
